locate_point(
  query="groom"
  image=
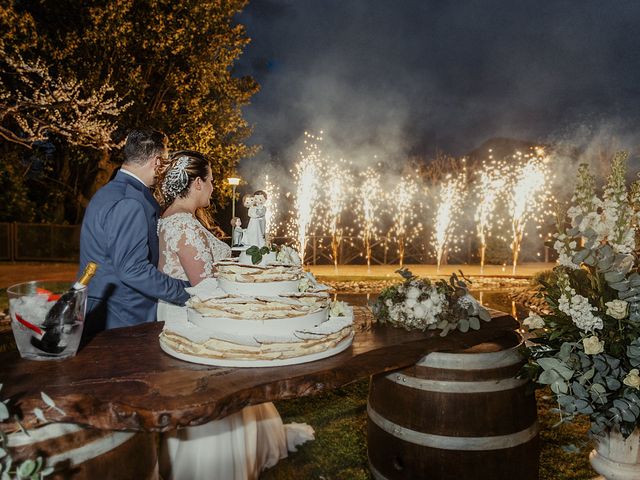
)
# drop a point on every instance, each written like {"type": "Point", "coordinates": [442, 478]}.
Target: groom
{"type": "Point", "coordinates": [119, 233]}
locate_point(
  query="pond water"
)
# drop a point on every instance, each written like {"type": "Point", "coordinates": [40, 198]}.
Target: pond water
{"type": "Point", "coordinates": [496, 299]}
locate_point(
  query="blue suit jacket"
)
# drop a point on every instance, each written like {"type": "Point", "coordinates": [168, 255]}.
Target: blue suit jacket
{"type": "Point", "coordinates": [119, 233]}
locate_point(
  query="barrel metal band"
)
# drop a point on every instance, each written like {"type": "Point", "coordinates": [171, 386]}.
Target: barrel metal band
{"type": "Point", "coordinates": [375, 473]}
{"type": "Point", "coordinates": [472, 361]}
{"type": "Point", "coordinates": [449, 386]}
{"type": "Point", "coordinates": [442, 442]}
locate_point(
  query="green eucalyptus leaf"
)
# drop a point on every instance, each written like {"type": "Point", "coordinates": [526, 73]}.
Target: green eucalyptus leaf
{"type": "Point", "coordinates": [463, 325]}
{"type": "Point", "coordinates": [474, 323]}
{"type": "Point", "coordinates": [612, 383]}
{"type": "Point", "coordinates": [4, 412]}
{"type": "Point", "coordinates": [559, 386]}
{"type": "Point", "coordinates": [484, 314]}
{"type": "Point", "coordinates": [26, 468]}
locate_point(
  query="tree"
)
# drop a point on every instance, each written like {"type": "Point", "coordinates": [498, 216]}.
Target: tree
{"type": "Point", "coordinates": [171, 64]}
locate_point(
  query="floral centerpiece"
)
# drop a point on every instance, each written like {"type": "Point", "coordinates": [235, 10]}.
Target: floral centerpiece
{"type": "Point", "coordinates": [587, 347]}
{"type": "Point", "coordinates": [420, 304]}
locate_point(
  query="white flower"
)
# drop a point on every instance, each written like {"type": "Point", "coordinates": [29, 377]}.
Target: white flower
{"type": "Point", "coordinates": [338, 309]}
{"type": "Point", "coordinates": [419, 311]}
{"type": "Point", "coordinates": [388, 302]}
{"type": "Point", "coordinates": [304, 284]}
{"type": "Point", "coordinates": [617, 309]}
{"type": "Point", "coordinates": [410, 302]}
{"type": "Point", "coordinates": [580, 310]}
{"type": "Point", "coordinates": [592, 346]}
{"type": "Point", "coordinates": [288, 256]}
{"type": "Point", "coordinates": [413, 292]}
{"type": "Point", "coordinates": [632, 379]}
{"type": "Point", "coordinates": [533, 321]}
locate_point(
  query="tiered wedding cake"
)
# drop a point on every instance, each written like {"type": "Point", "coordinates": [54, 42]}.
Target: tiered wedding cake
{"type": "Point", "coordinates": [272, 313]}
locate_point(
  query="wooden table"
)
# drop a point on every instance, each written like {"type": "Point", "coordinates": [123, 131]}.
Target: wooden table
{"type": "Point", "coordinates": [123, 381]}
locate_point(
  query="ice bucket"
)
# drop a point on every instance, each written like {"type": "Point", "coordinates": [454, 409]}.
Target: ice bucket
{"type": "Point", "coordinates": [54, 339]}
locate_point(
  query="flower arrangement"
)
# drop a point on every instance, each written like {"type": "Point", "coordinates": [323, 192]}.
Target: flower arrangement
{"type": "Point", "coordinates": [419, 304]}
{"type": "Point", "coordinates": [588, 347]}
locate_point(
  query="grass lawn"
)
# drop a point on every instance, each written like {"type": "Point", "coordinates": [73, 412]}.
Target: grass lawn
{"type": "Point", "coordinates": [340, 452]}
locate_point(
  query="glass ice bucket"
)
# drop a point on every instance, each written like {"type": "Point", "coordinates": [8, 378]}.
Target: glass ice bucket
{"type": "Point", "coordinates": [37, 336]}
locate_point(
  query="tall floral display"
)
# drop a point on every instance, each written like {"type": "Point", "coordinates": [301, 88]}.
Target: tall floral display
{"type": "Point", "coordinates": [587, 347]}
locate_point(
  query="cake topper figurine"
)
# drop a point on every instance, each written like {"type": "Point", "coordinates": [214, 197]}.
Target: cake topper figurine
{"type": "Point", "coordinates": [254, 233]}
{"type": "Point", "coordinates": [237, 231]}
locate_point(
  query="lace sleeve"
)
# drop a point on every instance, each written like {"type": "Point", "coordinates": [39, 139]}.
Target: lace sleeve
{"type": "Point", "coordinates": [188, 241]}
{"type": "Point", "coordinates": [195, 258]}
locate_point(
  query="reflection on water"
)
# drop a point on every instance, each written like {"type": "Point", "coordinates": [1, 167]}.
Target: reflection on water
{"type": "Point", "coordinates": [496, 299]}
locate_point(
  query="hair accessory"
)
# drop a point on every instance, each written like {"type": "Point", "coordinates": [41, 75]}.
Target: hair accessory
{"type": "Point", "coordinates": [176, 179]}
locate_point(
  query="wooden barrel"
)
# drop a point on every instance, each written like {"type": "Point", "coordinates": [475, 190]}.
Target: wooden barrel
{"type": "Point", "coordinates": [84, 453]}
{"type": "Point", "coordinates": [460, 415]}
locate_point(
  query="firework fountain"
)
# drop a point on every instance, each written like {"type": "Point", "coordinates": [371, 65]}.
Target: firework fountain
{"type": "Point", "coordinates": [339, 182]}
{"type": "Point", "coordinates": [402, 199]}
{"type": "Point", "coordinates": [307, 175]}
{"type": "Point", "coordinates": [448, 207]}
{"type": "Point", "coordinates": [369, 205]}
{"type": "Point", "coordinates": [528, 195]}
{"type": "Point", "coordinates": [272, 192]}
{"type": "Point", "coordinates": [491, 183]}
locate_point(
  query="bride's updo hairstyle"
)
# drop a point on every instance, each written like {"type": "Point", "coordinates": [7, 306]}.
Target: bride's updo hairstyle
{"type": "Point", "coordinates": [176, 175]}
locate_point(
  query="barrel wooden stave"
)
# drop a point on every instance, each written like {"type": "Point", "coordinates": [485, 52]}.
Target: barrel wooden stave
{"type": "Point", "coordinates": [402, 460]}
{"type": "Point", "coordinates": [454, 416]}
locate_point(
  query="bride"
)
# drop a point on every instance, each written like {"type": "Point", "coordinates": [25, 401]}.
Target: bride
{"type": "Point", "coordinates": [241, 445]}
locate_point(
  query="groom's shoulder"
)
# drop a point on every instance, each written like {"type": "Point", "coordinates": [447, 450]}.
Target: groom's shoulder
{"type": "Point", "coordinates": [116, 192]}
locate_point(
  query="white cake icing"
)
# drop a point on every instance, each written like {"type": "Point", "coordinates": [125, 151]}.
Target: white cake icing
{"type": "Point", "coordinates": [266, 259]}
{"type": "Point", "coordinates": [254, 315]}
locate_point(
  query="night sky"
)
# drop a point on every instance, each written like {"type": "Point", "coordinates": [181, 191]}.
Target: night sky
{"type": "Point", "coordinates": [398, 78]}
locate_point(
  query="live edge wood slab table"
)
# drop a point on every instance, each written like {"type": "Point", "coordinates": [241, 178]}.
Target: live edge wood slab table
{"type": "Point", "coordinates": [122, 380]}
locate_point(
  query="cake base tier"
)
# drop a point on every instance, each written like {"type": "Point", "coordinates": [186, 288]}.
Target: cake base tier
{"type": "Point", "coordinates": [220, 362]}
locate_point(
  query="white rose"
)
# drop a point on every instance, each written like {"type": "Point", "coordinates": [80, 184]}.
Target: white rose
{"type": "Point", "coordinates": [632, 379]}
{"type": "Point", "coordinates": [388, 302]}
{"type": "Point", "coordinates": [338, 309]}
{"type": "Point", "coordinates": [419, 311]}
{"type": "Point", "coordinates": [592, 346]}
{"type": "Point", "coordinates": [533, 321]}
{"type": "Point", "coordinates": [410, 302]}
{"type": "Point", "coordinates": [617, 309]}
{"type": "Point", "coordinates": [413, 292]}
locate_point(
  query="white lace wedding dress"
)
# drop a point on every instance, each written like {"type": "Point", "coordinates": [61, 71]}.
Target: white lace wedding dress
{"type": "Point", "coordinates": [241, 445]}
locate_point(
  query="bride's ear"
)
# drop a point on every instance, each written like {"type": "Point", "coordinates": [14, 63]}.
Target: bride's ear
{"type": "Point", "coordinates": [198, 183]}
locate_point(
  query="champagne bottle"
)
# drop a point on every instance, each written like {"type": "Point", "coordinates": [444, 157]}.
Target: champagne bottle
{"type": "Point", "coordinates": [64, 312]}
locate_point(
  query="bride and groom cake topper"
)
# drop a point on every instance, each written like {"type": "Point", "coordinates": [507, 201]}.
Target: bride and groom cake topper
{"type": "Point", "coordinates": [255, 232]}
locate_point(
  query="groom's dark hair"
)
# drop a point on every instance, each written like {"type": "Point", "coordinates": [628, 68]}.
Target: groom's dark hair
{"type": "Point", "coordinates": [144, 144]}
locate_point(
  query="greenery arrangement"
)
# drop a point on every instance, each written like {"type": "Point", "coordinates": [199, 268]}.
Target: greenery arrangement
{"type": "Point", "coordinates": [587, 345]}
{"type": "Point", "coordinates": [419, 304]}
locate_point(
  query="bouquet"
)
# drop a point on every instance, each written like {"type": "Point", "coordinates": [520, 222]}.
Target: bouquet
{"type": "Point", "coordinates": [419, 304]}
{"type": "Point", "coordinates": [587, 347]}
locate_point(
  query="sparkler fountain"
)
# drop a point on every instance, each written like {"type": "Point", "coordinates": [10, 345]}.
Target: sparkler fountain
{"type": "Point", "coordinates": [272, 192]}
{"type": "Point", "coordinates": [369, 205]}
{"type": "Point", "coordinates": [529, 193]}
{"type": "Point", "coordinates": [307, 175]}
{"type": "Point", "coordinates": [339, 182]}
{"type": "Point", "coordinates": [492, 180]}
{"type": "Point", "coordinates": [452, 193]}
{"type": "Point", "coordinates": [402, 199]}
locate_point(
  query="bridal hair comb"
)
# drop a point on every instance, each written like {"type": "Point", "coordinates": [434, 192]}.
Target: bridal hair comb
{"type": "Point", "coordinates": [176, 179]}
